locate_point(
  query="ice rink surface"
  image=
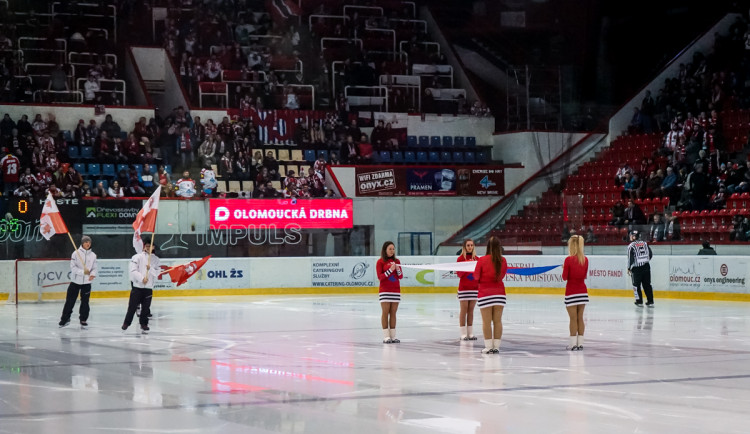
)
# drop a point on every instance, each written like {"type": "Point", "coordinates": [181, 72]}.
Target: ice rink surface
{"type": "Point", "coordinates": [316, 364]}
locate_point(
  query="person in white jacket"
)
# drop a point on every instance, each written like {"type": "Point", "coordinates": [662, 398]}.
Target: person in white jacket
{"type": "Point", "coordinates": [82, 271]}
{"type": "Point", "coordinates": [142, 278]}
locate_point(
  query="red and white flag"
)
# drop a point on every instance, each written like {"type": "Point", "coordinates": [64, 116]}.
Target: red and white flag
{"type": "Point", "coordinates": [51, 222]}
{"type": "Point", "coordinates": [181, 273]}
{"type": "Point", "coordinates": [145, 221]}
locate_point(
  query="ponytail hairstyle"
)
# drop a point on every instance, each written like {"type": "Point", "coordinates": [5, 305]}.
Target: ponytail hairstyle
{"type": "Point", "coordinates": [384, 253]}
{"type": "Point", "coordinates": [473, 252]}
{"type": "Point", "coordinates": [575, 248]}
{"type": "Point", "coordinates": [496, 253]}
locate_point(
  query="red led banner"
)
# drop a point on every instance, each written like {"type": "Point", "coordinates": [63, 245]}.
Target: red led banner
{"type": "Point", "coordinates": [282, 213]}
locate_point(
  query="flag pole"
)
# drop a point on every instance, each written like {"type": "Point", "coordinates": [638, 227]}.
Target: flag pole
{"type": "Point", "coordinates": [150, 252]}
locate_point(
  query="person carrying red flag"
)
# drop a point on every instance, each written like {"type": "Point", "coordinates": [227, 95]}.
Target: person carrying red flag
{"type": "Point", "coordinates": [144, 270]}
{"type": "Point", "coordinates": [83, 270]}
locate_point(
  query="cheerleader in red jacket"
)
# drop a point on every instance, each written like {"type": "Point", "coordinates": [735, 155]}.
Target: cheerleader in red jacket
{"type": "Point", "coordinates": [575, 270]}
{"type": "Point", "coordinates": [489, 273]}
{"type": "Point", "coordinates": [389, 274]}
{"type": "Point", "coordinates": [467, 292]}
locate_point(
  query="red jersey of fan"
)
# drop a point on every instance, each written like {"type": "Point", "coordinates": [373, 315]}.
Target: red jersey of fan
{"type": "Point", "coordinates": [467, 282]}
{"type": "Point", "coordinates": [484, 274]}
{"type": "Point", "coordinates": [575, 274]}
{"type": "Point", "coordinates": [389, 280]}
{"type": "Point", "coordinates": [11, 168]}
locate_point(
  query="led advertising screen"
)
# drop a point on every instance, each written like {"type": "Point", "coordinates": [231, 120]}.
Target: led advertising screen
{"type": "Point", "coordinates": [281, 213]}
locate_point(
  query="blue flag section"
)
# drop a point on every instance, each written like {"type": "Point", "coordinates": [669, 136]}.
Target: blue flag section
{"type": "Point", "coordinates": [532, 271]}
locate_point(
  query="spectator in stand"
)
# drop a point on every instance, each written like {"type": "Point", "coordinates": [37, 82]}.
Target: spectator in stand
{"type": "Point", "coordinates": [90, 88]}
{"type": "Point", "coordinates": [698, 187]}
{"type": "Point", "coordinates": [185, 148]}
{"type": "Point", "coordinates": [620, 176]}
{"type": "Point", "coordinates": [115, 190]}
{"type": "Point", "coordinates": [7, 126]}
{"type": "Point", "coordinates": [208, 179]}
{"type": "Point", "coordinates": [657, 231]}
{"type": "Point", "coordinates": [668, 185]}
{"type": "Point", "coordinates": [316, 135]}
{"type": "Point", "coordinates": [319, 167]}
{"type": "Point", "coordinates": [111, 127]}
{"type": "Point", "coordinates": [130, 149]}
{"type": "Point", "coordinates": [11, 167]}
{"type": "Point", "coordinates": [226, 166]}
{"type": "Point", "coordinates": [654, 182]}
{"type": "Point", "coordinates": [272, 165]}
{"type": "Point", "coordinates": [39, 125]}
{"type": "Point", "coordinates": [207, 152]}
{"type": "Point", "coordinates": [58, 82]}
{"type": "Point", "coordinates": [165, 181]}
{"type": "Point", "coordinates": [242, 170]}
{"type": "Point", "coordinates": [22, 191]}
{"type": "Point", "coordinates": [134, 184]}
{"type": "Point", "coordinates": [349, 151]}
{"type": "Point", "coordinates": [270, 191]}
{"type": "Point", "coordinates": [633, 215]}
{"type": "Point", "coordinates": [365, 150]}
{"type": "Point", "coordinates": [719, 200]}
{"type": "Point", "coordinates": [263, 177]}
{"type": "Point", "coordinates": [147, 179]}
{"type": "Point", "coordinates": [740, 228]}
{"type": "Point", "coordinates": [292, 102]}
{"type": "Point", "coordinates": [185, 185]}
{"type": "Point", "coordinates": [316, 183]}
{"type": "Point", "coordinates": [118, 150]}
{"type": "Point", "coordinates": [213, 69]}
{"type": "Point", "coordinates": [24, 127]}
{"type": "Point", "coordinates": [93, 133]}
{"type": "Point", "coordinates": [334, 160]}
{"type": "Point", "coordinates": [99, 190]}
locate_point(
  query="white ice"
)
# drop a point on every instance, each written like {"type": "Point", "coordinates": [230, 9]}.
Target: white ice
{"type": "Point", "coordinates": [316, 364]}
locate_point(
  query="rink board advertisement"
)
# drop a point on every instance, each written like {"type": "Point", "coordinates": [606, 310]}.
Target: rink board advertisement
{"type": "Point", "coordinates": [113, 275]}
{"type": "Point", "coordinates": [712, 273]}
{"type": "Point", "coordinates": [311, 275]}
{"type": "Point", "coordinates": [344, 272]}
{"type": "Point", "coordinates": [438, 180]}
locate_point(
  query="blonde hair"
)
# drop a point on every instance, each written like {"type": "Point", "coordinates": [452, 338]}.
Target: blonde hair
{"type": "Point", "coordinates": [575, 248]}
{"type": "Point", "coordinates": [463, 250]}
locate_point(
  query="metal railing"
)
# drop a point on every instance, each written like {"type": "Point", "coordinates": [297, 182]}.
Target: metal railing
{"type": "Point", "coordinates": [58, 96]}
{"type": "Point", "coordinates": [380, 99]}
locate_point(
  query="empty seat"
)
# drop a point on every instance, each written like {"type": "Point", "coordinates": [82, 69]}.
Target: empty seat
{"type": "Point", "coordinates": [410, 157]}
{"type": "Point", "coordinates": [447, 141]}
{"type": "Point", "coordinates": [235, 186]}
{"type": "Point", "coordinates": [469, 157]}
{"type": "Point", "coordinates": [297, 155]}
{"type": "Point", "coordinates": [108, 170]}
{"type": "Point", "coordinates": [435, 141]}
{"type": "Point", "coordinates": [424, 141]}
{"type": "Point", "coordinates": [74, 152]}
{"type": "Point", "coordinates": [385, 156]}
{"type": "Point", "coordinates": [411, 141]}
{"type": "Point", "coordinates": [434, 157]}
{"type": "Point", "coordinates": [397, 157]}
{"type": "Point", "coordinates": [445, 157]}
{"type": "Point", "coordinates": [94, 170]}
{"type": "Point", "coordinates": [421, 157]}
{"type": "Point", "coordinates": [482, 156]}
{"type": "Point", "coordinates": [122, 167]}
{"type": "Point", "coordinates": [87, 152]}
{"type": "Point", "coordinates": [458, 141]}
{"type": "Point", "coordinates": [309, 157]}
{"type": "Point", "coordinates": [471, 141]}
{"type": "Point", "coordinates": [458, 157]}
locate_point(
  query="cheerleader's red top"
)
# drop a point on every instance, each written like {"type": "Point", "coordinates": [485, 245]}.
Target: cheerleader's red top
{"type": "Point", "coordinates": [484, 274]}
{"type": "Point", "coordinates": [389, 280]}
{"type": "Point", "coordinates": [467, 282]}
{"type": "Point", "coordinates": [575, 274]}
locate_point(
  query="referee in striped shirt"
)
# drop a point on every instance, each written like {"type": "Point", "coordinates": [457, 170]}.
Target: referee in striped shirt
{"type": "Point", "coordinates": [639, 256]}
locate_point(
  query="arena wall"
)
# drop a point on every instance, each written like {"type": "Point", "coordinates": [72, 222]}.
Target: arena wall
{"type": "Point", "coordinates": [689, 277]}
